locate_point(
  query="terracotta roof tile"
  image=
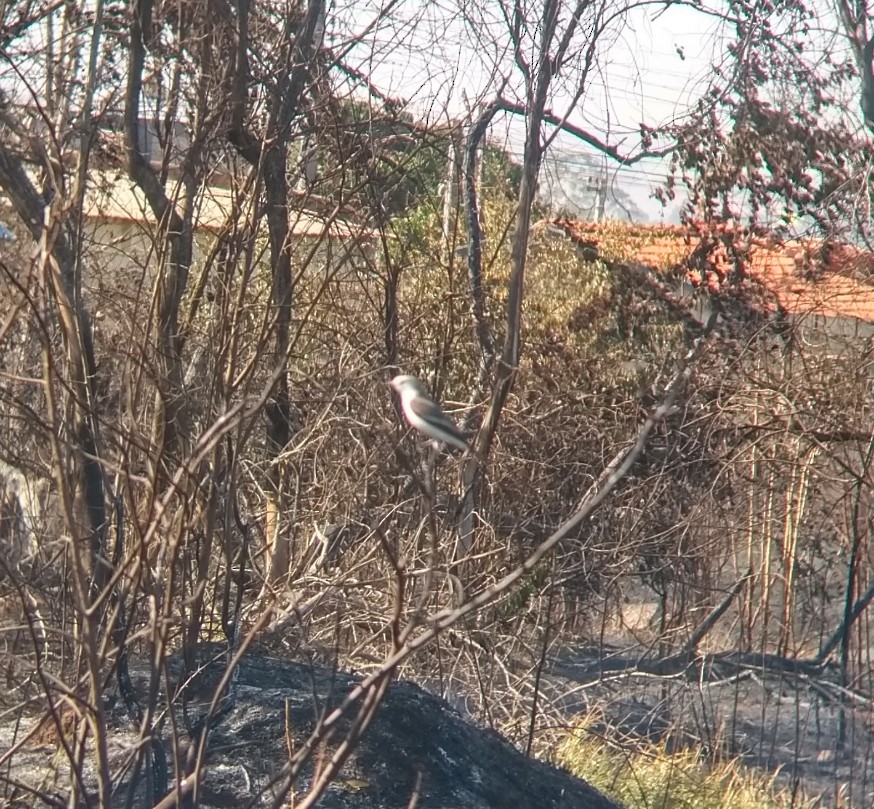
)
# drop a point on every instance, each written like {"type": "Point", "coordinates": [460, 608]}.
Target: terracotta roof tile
{"type": "Point", "coordinates": [804, 278]}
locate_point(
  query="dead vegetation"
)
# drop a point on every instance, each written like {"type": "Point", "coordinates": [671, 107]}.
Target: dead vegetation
{"type": "Point", "coordinates": [198, 445]}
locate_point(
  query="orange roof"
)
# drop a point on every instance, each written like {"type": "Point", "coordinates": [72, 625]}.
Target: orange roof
{"type": "Point", "coordinates": [803, 277]}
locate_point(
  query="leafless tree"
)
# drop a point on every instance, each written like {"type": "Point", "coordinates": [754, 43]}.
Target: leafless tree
{"type": "Point", "coordinates": [201, 326]}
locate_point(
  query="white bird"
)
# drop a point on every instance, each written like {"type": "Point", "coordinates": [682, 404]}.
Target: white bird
{"type": "Point", "coordinates": [425, 415]}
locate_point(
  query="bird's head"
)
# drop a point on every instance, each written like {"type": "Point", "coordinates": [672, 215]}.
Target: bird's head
{"type": "Point", "coordinates": [406, 382]}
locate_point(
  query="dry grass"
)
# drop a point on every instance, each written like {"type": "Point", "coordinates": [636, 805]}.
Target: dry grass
{"type": "Point", "coordinates": [653, 777]}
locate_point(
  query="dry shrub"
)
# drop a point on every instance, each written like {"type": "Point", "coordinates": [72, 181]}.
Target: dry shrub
{"type": "Point", "coordinates": [651, 776]}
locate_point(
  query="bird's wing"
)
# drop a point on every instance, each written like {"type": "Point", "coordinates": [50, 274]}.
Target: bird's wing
{"type": "Point", "coordinates": [427, 409]}
{"type": "Point", "coordinates": [432, 414]}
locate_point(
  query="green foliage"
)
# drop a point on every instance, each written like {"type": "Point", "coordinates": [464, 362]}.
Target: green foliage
{"type": "Point", "coordinates": [500, 173]}
{"type": "Point", "coordinates": [376, 156]}
{"type": "Point", "coordinates": [589, 315]}
{"type": "Point", "coordinates": [417, 229]}
{"type": "Point", "coordinates": [654, 778]}
{"type": "Point", "coordinates": [417, 233]}
{"type": "Point", "coordinates": [392, 164]}
{"type": "Point", "coordinates": [518, 599]}
{"type": "Point", "coordinates": [585, 322]}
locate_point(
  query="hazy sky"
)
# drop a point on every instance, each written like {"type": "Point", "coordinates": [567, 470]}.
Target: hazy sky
{"type": "Point", "coordinates": [445, 56]}
{"type": "Point", "coordinates": [653, 64]}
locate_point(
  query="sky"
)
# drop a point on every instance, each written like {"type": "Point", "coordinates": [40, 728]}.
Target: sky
{"type": "Point", "coordinates": [653, 65]}
{"type": "Point", "coordinates": [444, 57]}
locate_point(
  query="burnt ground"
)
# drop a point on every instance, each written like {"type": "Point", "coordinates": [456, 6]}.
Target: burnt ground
{"type": "Point", "coordinates": [418, 752]}
{"type": "Point", "coordinates": [798, 726]}
{"type": "Point", "coordinates": [779, 718]}
{"type": "Point", "coordinates": [787, 724]}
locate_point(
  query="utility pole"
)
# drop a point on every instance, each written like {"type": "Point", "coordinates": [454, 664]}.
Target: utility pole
{"type": "Point", "coordinates": [598, 187]}
{"type": "Point", "coordinates": [451, 186]}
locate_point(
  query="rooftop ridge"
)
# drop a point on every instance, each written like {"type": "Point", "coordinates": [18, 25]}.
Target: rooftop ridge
{"type": "Point", "coordinates": [814, 277]}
